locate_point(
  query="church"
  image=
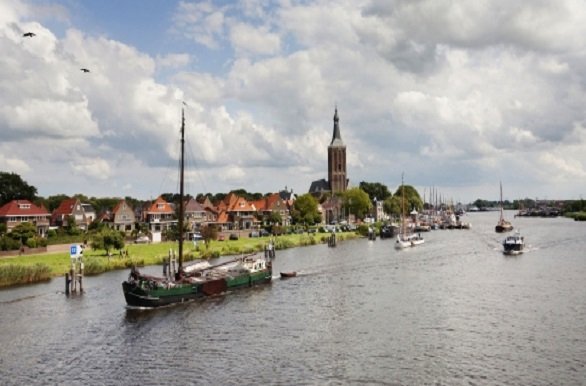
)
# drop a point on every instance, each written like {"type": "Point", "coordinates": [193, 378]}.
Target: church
{"type": "Point", "coordinates": [337, 182]}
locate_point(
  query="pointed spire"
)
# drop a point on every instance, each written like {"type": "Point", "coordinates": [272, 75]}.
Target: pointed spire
{"type": "Point", "coordinates": [336, 138]}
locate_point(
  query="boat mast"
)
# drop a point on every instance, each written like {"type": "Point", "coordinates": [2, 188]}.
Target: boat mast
{"type": "Point", "coordinates": [501, 202]}
{"type": "Point", "coordinates": [181, 192]}
{"type": "Point", "coordinates": [403, 220]}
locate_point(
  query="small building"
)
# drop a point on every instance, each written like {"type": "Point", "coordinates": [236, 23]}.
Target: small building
{"type": "Point", "coordinates": [70, 208]}
{"type": "Point", "coordinates": [20, 211]}
{"type": "Point", "coordinates": [122, 217]}
{"type": "Point", "coordinates": [159, 216]}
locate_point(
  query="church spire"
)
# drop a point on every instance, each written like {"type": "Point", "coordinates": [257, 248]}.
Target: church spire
{"type": "Point", "coordinates": [336, 138]}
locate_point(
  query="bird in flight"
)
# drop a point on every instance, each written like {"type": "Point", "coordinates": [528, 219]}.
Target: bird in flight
{"type": "Point", "coordinates": [28, 34]}
{"type": "Point", "coordinates": [84, 70]}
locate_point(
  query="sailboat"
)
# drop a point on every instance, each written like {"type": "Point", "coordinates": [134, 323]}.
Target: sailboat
{"type": "Point", "coordinates": [406, 238]}
{"type": "Point", "coordinates": [197, 280]}
{"type": "Point", "coordinates": [502, 225]}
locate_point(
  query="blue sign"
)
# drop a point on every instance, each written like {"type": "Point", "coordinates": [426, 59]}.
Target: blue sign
{"type": "Point", "coordinates": [73, 251]}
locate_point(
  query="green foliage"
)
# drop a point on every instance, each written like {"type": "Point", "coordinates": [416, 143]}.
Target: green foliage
{"type": "Point", "coordinates": [13, 187]}
{"type": "Point", "coordinates": [357, 201]}
{"type": "Point", "coordinates": [375, 190]}
{"type": "Point", "coordinates": [305, 210]}
{"type": "Point", "coordinates": [209, 233]}
{"type": "Point", "coordinates": [107, 239]}
{"type": "Point", "coordinates": [275, 218]}
{"type": "Point", "coordinates": [412, 198]}
{"type": "Point", "coordinates": [7, 243]}
{"type": "Point", "coordinates": [392, 206]}
{"type": "Point", "coordinates": [23, 232]}
{"type": "Point", "coordinates": [12, 274]}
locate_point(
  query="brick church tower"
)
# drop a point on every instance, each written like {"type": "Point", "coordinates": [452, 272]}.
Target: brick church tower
{"type": "Point", "coordinates": [337, 160]}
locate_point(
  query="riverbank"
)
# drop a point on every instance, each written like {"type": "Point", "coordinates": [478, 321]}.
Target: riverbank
{"type": "Point", "coordinates": [33, 268]}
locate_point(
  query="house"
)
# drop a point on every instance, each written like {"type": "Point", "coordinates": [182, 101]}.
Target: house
{"type": "Point", "coordinates": [195, 215]}
{"type": "Point", "coordinates": [73, 208]}
{"type": "Point", "coordinates": [273, 203]}
{"type": "Point", "coordinates": [240, 212]}
{"type": "Point", "coordinates": [19, 211]}
{"type": "Point", "coordinates": [122, 217]}
{"type": "Point", "coordinates": [159, 216]}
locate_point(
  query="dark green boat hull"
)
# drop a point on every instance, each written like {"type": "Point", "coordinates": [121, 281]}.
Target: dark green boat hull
{"type": "Point", "coordinates": [145, 297]}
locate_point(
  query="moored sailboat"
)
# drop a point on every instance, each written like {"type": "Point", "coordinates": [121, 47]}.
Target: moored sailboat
{"type": "Point", "coordinates": [406, 238]}
{"type": "Point", "coordinates": [198, 280]}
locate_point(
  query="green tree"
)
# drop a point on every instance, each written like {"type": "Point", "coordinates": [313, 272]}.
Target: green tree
{"type": "Point", "coordinates": [305, 210]}
{"type": "Point", "coordinates": [392, 206]}
{"type": "Point", "coordinates": [107, 239]}
{"type": "Point", "coordinates": [357, 202]}
{"type": "Point", "coordinates": [375, 190]}
{"type": "Point", "coordinates": [23, 232]}
{"type": "Point", "coordinates": [412, 198]}
{"type": "Point", "coordinates": [12, 187]}
{"type": "Point", "coordinates": [208, 233]}
{"type": "Point", "coordinates": [275, 218]}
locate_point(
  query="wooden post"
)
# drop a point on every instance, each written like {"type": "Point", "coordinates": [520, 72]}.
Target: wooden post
{"type": "Point", "coordinates": [67, 283]}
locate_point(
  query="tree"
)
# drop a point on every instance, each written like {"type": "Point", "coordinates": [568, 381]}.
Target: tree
{"type": "Point", "coordinates": [208, 233]}
{"type": "Point", "coordinates": [305, 210]}
{"type": "Point", "coordinates": [375, 190]}
{"type": "Point", "coordinates": [107, 239]}
{"type": "Point", "coordinates": [357, 202]}
{"type": "Point", "coordinates": [12, 187]}
{"type": "Point", "coordinates": [412, 198]}
{"type": "Point", "coordinates": [275, 218]}
{"type": "Point", "coordinates": [23, 232]}
{"type": "Point", "coordinates": [392, 206]}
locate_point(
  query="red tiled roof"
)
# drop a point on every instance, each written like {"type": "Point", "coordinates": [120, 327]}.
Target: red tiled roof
{"type": "Point", "coordinates": [19, 208]}
{"type": "Point", "coordinates": [160, 206]}
{"type": "Point", "coordinates": [66, 207]}
{"type": "Point", "coordinates": [119, 205]}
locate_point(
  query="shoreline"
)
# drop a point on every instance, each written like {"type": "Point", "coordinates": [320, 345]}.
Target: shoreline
{"type": "Point", "coordinates": [97, 262]}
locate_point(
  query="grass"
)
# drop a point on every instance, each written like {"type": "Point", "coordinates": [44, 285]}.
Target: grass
{"type": "Point", "coordinates": [33, 268]}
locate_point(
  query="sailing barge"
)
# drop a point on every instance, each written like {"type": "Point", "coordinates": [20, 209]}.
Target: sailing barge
{"type": "Point", "coordinates": [198, 280]}
{"type": "Point", "coordinates": [146, 291]}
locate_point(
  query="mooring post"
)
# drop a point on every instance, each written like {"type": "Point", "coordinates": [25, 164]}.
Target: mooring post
{"type": "Point", "coordinates": [67, 283]}
{"type": "Point", "coordinates": [80, 275]}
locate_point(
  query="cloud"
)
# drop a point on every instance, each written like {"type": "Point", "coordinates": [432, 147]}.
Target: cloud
{"type": "Point", "coordinates": [248, 39]}
{"type": "Point", "coordinates": [453, 94]}
{"type": "Point", "coordinates": [172, 60]}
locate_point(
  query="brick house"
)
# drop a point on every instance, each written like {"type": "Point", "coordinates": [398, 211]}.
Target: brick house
{"type": "Point", "coordinates": [70, 207]}
{"type": "Point", "coordinates": [20, 211]}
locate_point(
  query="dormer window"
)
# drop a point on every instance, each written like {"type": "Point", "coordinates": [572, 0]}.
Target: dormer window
{"type": "Point", "coordinates": [24, 206]}
{"type": "Point", "coordinates": [160, 206]}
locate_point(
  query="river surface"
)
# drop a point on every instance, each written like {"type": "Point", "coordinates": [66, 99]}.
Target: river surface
{"type": "Point", "coordinates": [454, 311]}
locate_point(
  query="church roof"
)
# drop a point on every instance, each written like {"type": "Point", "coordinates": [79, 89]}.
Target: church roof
{"type": "Point", "coordinates": [319, 186]}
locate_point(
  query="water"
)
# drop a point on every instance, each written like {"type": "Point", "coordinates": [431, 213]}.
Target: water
{"type": "Point", "coordinates": [454, 311]}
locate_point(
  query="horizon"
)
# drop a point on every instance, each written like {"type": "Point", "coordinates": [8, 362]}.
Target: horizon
{"type": "Point", "coordinates": [484, 93]}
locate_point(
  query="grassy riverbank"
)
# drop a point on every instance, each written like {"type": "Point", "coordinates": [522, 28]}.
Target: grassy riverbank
{"type": "Point", "coordinates": [33, 268]}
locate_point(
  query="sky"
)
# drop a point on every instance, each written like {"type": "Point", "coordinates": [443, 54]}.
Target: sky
{"type": "Point", "coordinates": [457, 96]}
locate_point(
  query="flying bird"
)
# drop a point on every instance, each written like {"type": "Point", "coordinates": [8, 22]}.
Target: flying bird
{"type": "Point", "coordinates": [84, 70]}
{"type": "Point", "coordinates": [29, 34]}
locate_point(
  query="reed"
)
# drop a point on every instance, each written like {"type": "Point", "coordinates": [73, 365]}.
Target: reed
{"type": "Point", "coordinates": [12, 274]}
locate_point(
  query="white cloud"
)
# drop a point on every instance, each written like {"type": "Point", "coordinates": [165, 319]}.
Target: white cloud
{"type": "Point", "coordinates": [172, 60]}
{"type": "Point", "coordinates": [95, 168]}
{"type": "Point", "coordinates": [450, 93]}
{"type": "Point", "coordinates": [248, 39]}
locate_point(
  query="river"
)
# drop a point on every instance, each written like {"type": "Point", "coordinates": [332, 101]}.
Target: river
{"type": "Point", "coordinates": [454, 311]}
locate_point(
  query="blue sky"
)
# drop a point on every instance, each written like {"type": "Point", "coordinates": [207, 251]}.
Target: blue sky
{"type": "Point", "coordinates": [455, 95]}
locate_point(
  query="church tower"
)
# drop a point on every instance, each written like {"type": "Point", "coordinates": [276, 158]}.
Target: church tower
{"type": "Point", "coordinates": [337, 160]}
